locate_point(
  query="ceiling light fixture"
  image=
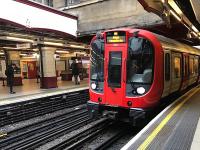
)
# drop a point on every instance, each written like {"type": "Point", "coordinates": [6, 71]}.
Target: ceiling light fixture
{"type": "Point", "coordinates": [194, 28]}
{"type": "Point", "coordinates": [194, 33]}
{"type": "Point", "coordinates": [53, 44]}
{"type": "Point", "coordinates": [60, 51]}
{"type": "Point", "coordinates": [18, 39]}
{"type": "Point", "coordinates": [77, 46]}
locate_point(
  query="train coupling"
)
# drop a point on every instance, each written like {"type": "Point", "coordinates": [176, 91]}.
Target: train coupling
{"type": "Point", "coordinates": [93, 109]}
{"type": "Point", "coordinates": [110, 114]}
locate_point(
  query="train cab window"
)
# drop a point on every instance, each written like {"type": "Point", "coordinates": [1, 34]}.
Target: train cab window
{"type": "Point", "coordinates": [167, 67]}
{"type": "Point", "coordinates": [114, 74]}
{"type": "Point", "coordinates": [139, 63]}
{"type": "Point", "coordinates": [177, 67]}
{"type": "Point", "coordinates": [97, 64]}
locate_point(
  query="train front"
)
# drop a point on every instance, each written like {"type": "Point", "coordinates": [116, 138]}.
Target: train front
{"type": "Point", "coordinates": [123, 77]}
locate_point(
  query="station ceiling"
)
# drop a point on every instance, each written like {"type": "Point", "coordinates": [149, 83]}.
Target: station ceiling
{"type": "Point", "coordinates": [182, 18]}
{"type": "Point", "coordinates": [28, 27]}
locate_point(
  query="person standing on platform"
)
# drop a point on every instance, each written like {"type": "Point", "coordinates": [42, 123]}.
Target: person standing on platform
{"type": "Point", "coordinates": [10, 77]}
{"type": "Point", "coordinates": [75, 72]}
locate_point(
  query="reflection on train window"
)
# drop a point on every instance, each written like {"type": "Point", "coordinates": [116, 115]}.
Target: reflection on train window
{"type": "Point", "coordinates": [140, 61]}
{"type": "Point", "coordinates": [114, 73]}
{"type": "Point", "coordinates": [186, 66]}
{"type": "Point", "coordinates": [177, 67]}
{"type": "Point", "coordinates": [97, 60]}
{"type": "Point", "coordinates": [167, 67]}
{"type": "Point", "coordinates": [191, 66]}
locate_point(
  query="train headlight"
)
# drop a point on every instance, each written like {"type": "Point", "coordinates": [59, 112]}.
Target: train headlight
{"type": "Point", "coordinates": [93, 86]}
{"type": "Point", "coordinates": [140, 90]}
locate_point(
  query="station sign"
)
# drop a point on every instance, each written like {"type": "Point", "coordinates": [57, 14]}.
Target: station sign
{"type": "Point", "coordinates": [24, 45]}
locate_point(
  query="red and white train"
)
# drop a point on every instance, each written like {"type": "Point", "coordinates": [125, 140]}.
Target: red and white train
{"type": "Point", "coordinates": [132, 69]}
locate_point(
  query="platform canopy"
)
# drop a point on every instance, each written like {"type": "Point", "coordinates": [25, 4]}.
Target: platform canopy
{"type": "Point", "coordinates": [36, 18]}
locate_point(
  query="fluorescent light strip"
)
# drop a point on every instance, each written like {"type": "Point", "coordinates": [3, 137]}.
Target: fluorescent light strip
{"type": "Point", "coordinates": [53, 44]}
{"type": "Point", "coordinates": [175, 15]}
{"type": "Point", "coordinates": [77, 46]}
{"type": "Point", "coordinates": [194, 33]}
{"type": "Point", "coordinates": [66, 52]}
{"type": "Point", "coordinates": [194, 28]}
{"type": "Point", "coordinates": [18, 39]}
{"type": "Point", "coordinates": [175, 7]}
{"type": "Point", "coordinates": [23, 54]}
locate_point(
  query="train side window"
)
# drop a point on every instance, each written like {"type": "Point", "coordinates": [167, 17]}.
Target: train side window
{"type": "Point", "coordinates": [167, 67]}
{"type": "Point", "coordinates": [177, 67]}
{"type": "Point", "coordinates": [191, 63]}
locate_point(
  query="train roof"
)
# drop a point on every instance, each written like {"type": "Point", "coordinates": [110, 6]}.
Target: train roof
{"type": "Point", "coordinates": [174, 45]}
{"type": "Point", "coordinates": [166, 43]}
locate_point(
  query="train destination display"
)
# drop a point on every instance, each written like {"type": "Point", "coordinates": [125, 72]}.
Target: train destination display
{"type": "Point", "coordinates": [116, 37]}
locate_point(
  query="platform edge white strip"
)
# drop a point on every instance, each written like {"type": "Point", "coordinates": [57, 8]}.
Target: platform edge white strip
{"type": "Point", "coordinates": [38, 95]}
{"type": "Point", "coordinates": [196, 139]}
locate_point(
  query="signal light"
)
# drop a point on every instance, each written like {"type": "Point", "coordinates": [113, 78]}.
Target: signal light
{"type": "Point", "coordinates": [129, 103]}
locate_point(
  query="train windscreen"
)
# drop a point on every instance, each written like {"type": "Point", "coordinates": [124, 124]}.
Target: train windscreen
{"type": "Point", "coordinates": [139, 63]}
{"type": "Point", "coordinates": [97, 64]}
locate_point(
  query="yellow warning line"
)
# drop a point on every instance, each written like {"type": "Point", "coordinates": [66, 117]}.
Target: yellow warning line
{"type": "Point", "coordinates": [151, 137]}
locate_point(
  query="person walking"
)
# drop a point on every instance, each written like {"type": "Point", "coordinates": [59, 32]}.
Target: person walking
{"type": "Point", "coordinates": [10, 77]}
{"type": "Point", "coordinates": [75, 72]}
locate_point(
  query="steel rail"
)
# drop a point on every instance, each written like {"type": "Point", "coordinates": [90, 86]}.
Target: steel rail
{"type": "Point", "coordinates": [40, 127]}
{"type": "Point", "coordinates": [41, 138]}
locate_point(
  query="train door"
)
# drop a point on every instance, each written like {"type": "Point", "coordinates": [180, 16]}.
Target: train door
{"type": "Point", "coordinates": [185, 71]}
{"type": "Point", "coordinates": [115, 74]}
{"type": "Point", "coordinates": [167, 73]}
{"type": "Point", "coordinates": [176, 72]}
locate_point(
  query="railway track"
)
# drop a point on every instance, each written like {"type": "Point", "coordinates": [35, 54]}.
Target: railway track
{"type": "Point", "coordinates": [101, 134]}
{"type": "Point", "coordinates": [13, 113]}
{"type": "Point", "coordinates": [43, 131]}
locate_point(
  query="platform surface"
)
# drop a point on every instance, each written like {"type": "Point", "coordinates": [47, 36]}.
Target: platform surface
{"type": "Point", "coordinates": [31, 89]}
{"type": "Point", "coordinates": [177, 127]}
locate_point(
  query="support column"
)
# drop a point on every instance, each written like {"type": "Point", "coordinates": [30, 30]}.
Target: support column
{"type": "Point", "coordinates": [13, 57]}
{"type": "Point", "coordinates": [48, 77]}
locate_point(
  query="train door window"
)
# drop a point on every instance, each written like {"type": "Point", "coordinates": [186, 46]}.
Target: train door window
{"type": "Point", "coordinates": [196, 65]}
{"type": "Point", "coordinates": [114, 69]}
{"type": "Point", "coordinates": [167, 67]}
{"type": "Point", "coordinates": [186, 66]}
{"type": "Point", "coordinates": [177, 67]}
{"type": "Point", "coordinates": [191, 63]}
